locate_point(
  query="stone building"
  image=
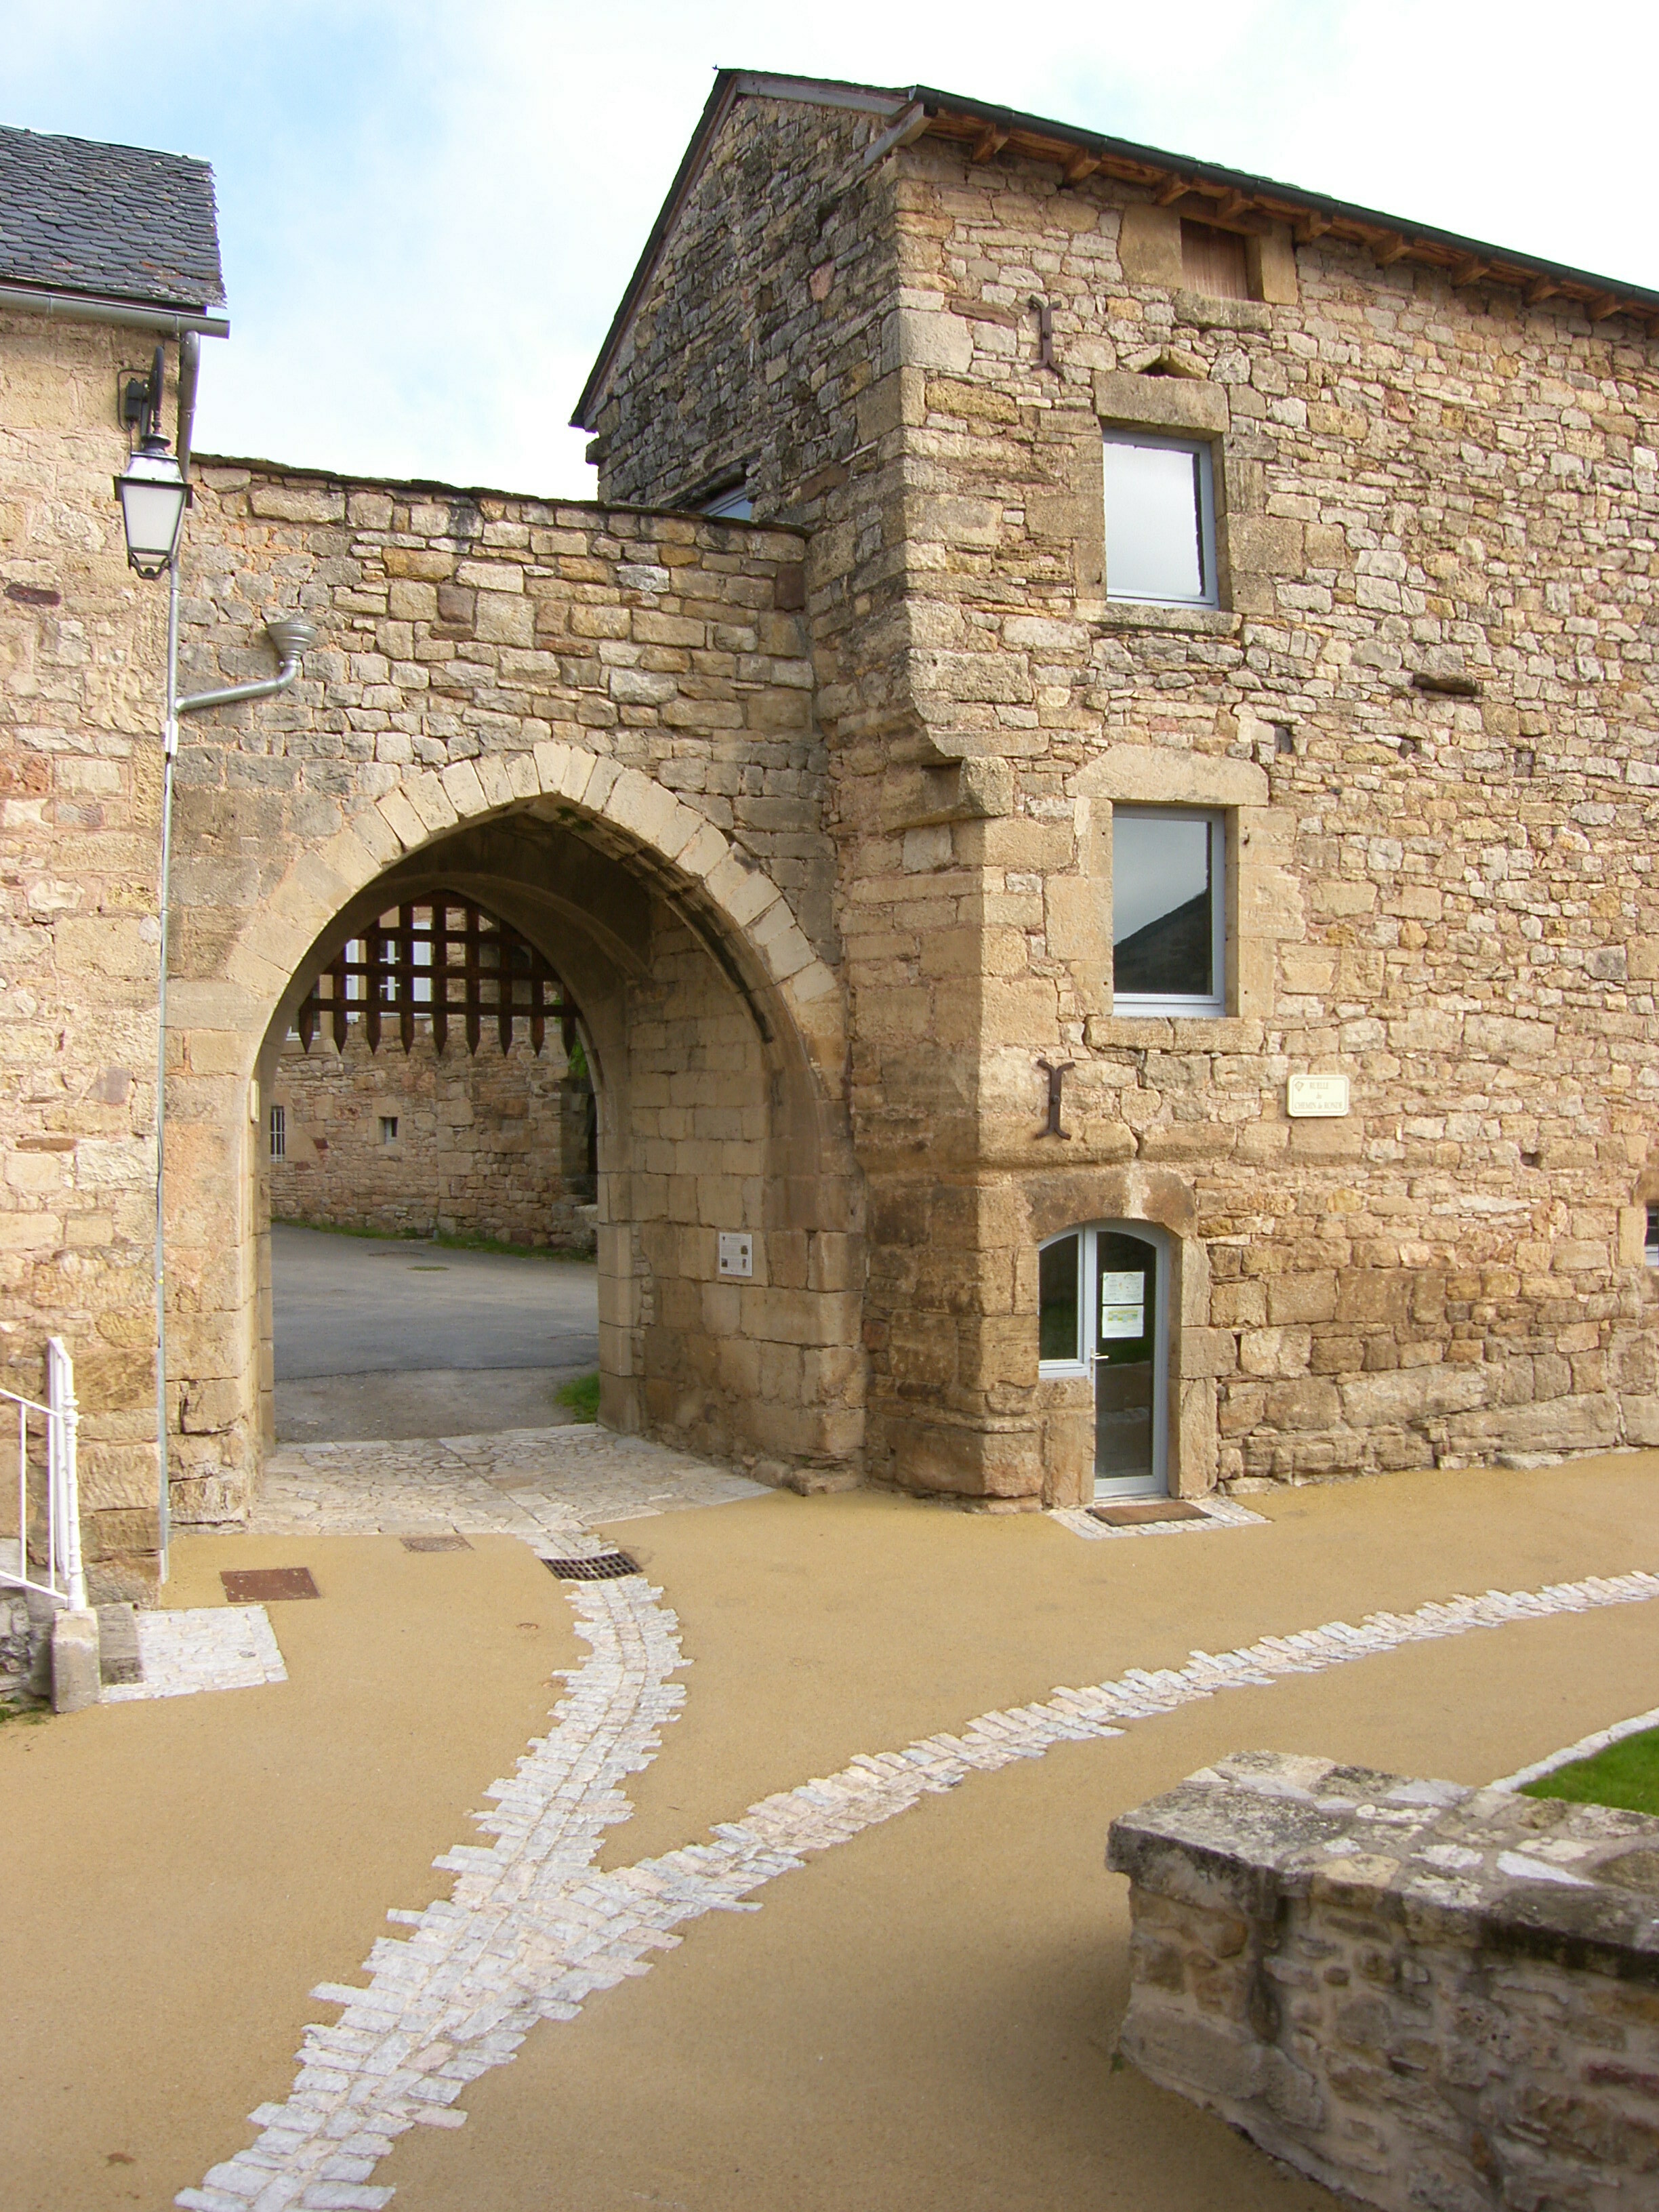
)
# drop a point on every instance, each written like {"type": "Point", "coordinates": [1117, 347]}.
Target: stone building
{"type": "Point", "coordinates": [1089, 779]}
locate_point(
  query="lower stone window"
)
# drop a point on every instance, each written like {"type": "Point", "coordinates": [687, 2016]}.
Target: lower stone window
{"type": "Point", "coordinates": [1169, 911]}
{"type": "Point", "coordinates": [1651, 1252]}
{"type": "Point", "coordinates": [388, 1128]}
{"type": "Point", "coordinates": [279, 1136]}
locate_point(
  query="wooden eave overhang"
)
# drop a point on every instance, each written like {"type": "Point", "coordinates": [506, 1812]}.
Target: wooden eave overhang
{"type": "Point", "coordinates": [1231, 198]}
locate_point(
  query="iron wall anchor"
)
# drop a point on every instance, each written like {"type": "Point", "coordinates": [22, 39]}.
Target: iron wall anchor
{"type": "Point", "coordinates": [1055, 1070]}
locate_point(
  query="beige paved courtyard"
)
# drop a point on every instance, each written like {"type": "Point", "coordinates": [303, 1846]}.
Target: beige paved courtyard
{"type": "Point", "coordinates": [919, 2005]}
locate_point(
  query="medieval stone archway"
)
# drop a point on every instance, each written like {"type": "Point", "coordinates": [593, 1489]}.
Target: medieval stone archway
{"type": "Point", "coordinates": [714, 1115]}
{"type": "Point", "coordinates": [716, 1020]}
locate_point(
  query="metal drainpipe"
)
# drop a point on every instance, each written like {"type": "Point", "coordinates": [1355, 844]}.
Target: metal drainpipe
{"type": "Point", "coordinates": [291, 636]}
{"type": "Point", "coordinates": [169, 751]}
{"type": "Point", "coordinates": [190, 362]}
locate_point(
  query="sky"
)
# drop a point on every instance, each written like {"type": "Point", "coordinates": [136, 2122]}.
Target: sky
{"type": "Point", "coordinates": [428, 212]}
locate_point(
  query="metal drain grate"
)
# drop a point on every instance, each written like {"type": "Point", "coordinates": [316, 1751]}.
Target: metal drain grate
{"type": "Point", "coordinates": [602, 1567]}
{"type": "Point", "coordinates": [266, 1585]}
{"type": "Point", "coordinates": [451, 1543]}
{"type": "Point", "coordinates": [1147, 1512]}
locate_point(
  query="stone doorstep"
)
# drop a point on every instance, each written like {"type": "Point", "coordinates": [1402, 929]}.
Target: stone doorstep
{"type": "Point", "coordinates": [89, 1650]}
{"type": "Point", "coordinates": [118, 1659]}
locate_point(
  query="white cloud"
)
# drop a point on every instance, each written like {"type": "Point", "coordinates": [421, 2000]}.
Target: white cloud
{"type": "Point", "coordinates": [428, 213]}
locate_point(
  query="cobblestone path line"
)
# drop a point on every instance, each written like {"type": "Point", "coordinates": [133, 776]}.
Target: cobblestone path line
{"type": "Point", "coordinates": [480, 1968]}
{"type": "Point", "coordinates": [529, 1931]}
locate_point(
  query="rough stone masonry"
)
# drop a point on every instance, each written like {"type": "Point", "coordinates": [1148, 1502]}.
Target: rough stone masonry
{"type": "Point", "coordinates": [814, 812]}
{"type": "Point", "coordinates": [1420, 1994]}
{"type": "Point", "coordinates": [1423, 703]}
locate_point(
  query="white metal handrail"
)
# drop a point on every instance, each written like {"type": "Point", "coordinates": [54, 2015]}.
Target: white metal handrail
{"type": "Point", "coordinates": [60, 1417]}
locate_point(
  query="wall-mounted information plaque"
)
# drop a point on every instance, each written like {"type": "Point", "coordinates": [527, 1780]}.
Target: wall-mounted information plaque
{"type": "Point", "coordinates": [1315, 1096]}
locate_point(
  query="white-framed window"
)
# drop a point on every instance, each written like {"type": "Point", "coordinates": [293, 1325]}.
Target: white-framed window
{"type": "Point", "coordinates": [279, 1133]}
{"type": "Point", "coordinates": [1160, 519]}
{"type": "Point", "coordinates": [1650, 1251]}
{"type": "Point", "coordinates": [733, 506]}
{"type": "Point", "coordinates": [1168, 910]}
{"type": "Point", "coordinates": [1060, 1316]}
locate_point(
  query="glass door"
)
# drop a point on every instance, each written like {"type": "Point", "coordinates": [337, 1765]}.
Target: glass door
{"type": "Point", "coordinates": [1125, 1364]}
{"type": "Point", "coordinates": [1103, 1298]}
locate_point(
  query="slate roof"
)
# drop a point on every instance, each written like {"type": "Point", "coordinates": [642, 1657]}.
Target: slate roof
{"type": "Point", "coordinates": [116, 223]}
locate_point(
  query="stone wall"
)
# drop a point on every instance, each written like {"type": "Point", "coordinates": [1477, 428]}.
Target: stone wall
{"type": "Point", "coordinates": [1447, 893]}
{"type": "Point", "coordinates": [598, 723]}
{"type": "Point", "coordinates": [1419, 1994]}
{"type": "Point", "coordinates": [479, 1144]}
{"type": "Point", "coordinates": [81, 641]}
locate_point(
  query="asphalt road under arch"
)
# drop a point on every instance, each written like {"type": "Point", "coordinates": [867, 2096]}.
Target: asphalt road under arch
{"type": "Point", "coordinates": [388, 1336]}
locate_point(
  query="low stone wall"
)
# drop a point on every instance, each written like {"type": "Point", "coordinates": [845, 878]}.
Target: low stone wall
{"type": "Point", "coordinates": [1427, 1996]}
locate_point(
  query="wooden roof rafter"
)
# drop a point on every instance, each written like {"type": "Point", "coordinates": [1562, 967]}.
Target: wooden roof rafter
{"type": "Point", "coordinates": [1232, 201]}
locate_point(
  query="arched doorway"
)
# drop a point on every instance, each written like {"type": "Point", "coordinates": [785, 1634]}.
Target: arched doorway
{"type": "Point", "coordinates": [713, 1129]}
{"type": "Point", "coordinates": [1103, 1315]}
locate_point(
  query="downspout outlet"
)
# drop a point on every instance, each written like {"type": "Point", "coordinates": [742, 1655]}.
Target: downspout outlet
{"type": "Point", "coordinates": [293, 638]}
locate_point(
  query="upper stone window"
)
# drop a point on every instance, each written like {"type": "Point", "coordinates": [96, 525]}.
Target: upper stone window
{"type": "Point", "coordinates": [732, 506]}
{"type": "Point", "coordinates": [1169, 911]}
{"type": "Point", "coordinates": [1160, 519]}
{"type": "Point", "coordinates": [1215, 261]}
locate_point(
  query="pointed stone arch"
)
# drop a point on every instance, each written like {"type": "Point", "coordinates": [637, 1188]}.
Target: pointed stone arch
{"type": "Point", "coordinates": [754, 926]}
{"type": "Point", "coordinates": [769, 1373]}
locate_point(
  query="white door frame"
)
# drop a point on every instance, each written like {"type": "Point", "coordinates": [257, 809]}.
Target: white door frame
{"type": "Point", "coordinates": [1144, 1232]}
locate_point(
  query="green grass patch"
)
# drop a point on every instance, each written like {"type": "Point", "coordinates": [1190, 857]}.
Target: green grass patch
{"type": "Point", "coordinates": [439, 1236]}
{"type": "Point", "coordinates": [1626, 1774]}
{"type": "Point", "coordinates": [581, 1396]}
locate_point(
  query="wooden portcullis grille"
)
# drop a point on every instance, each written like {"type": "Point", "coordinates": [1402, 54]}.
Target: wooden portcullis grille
{"type": "Point", "coordinates": [441, 961]}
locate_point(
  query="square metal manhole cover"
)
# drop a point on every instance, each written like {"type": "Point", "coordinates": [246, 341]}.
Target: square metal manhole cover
{"type": "Point", "coordinates": [1144, 1511]}
{"type": "Point", "coordinates": [602, 1567]}
{"type": "Point", "coordinates": [266, 1585]}
{"type": "Point", "coordinates": [450, 1543]}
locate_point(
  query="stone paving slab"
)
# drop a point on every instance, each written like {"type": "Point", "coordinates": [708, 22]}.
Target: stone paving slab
{"type": "Point", "coordinates": [202, 1647]}
{"type": "Point", "coordinates": [537, 1484]}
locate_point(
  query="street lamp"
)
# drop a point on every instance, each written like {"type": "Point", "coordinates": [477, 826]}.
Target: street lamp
{"type": "Point", "coordinates": [153, 493]}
